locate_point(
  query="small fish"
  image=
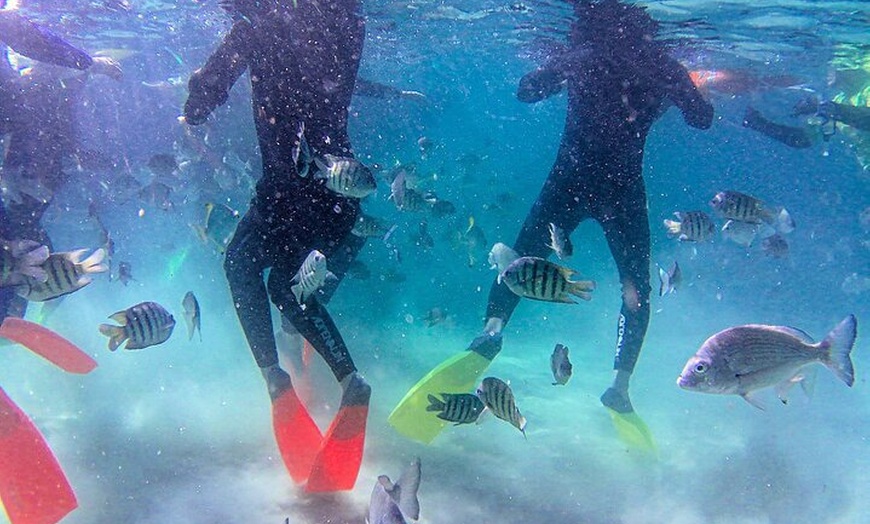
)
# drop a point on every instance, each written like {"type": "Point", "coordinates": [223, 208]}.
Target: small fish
{"type": "Point", "coordinates": [743, 359]}
{"type": "Point", "coordinates": [434, 316]}
{"type": "Point", "coordinates": [500, 257]}
{"type": "Point", "coordinates": [162, 164]}
{"type": "Point", "coordinates": [346, 176]}
{"type": "Point", "coordinates": [733, 205]}
{"type": "Point", "coordinates": [66, 273]}
{"type": "Point", "coordinates": [393, 503]}
{"type": "Point", "coordinates": [125, 273]}
{"type": "Point", "coordinates": [498, 398]}
{"type": "Point", "coordinates": [539, 279]}
{"type": "Point", "coordinates": [423, 238]}
{"type": "Point", "coordinates": [302, 156]}
{"type": "Point", "coordinates": [367, 226]}
{"type": "Point", "coordinates": [192, 315]}
{"type": "Point", "coordinates": [143, 325]}
{"type": "Point", "coordinates": [559, 243]}
{"type": "Point", "coordinates": [670, 280]}
{"type": "Point", "coordinates": [21, 259]}
{"type": "Point", "coordinates": [461, 408]}
{"type": "Point", "coordinates": [775, 246]}
{"type": "Point", "coordinates": [219, 225]}
{"type": "Point", "coordinates": [560, 365]}
{"type": "Point", "coordinates": [442, 208]}
{"type": "Point", "coordinates": [741, 233]}
{"type": "Point", "coordinates": [310, 277]}
{"type": "Point", "coordinates": [691, 226]}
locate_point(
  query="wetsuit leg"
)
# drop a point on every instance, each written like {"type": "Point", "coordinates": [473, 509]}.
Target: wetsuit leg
{"type": "Point", "coordinates": [339, 261]}
{"type": "Point", "coordinates": [559, 202]}
{"type": "Point", "coordinates": [246, 260]}
{"type": "Point", "coordinates": [625, 221]}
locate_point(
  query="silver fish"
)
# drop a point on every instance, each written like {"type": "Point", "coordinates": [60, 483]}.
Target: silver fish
{"type": "Point", "coordinates": [539, 279]}
{"type": "Point", "coordinates": [500, 257]}
{"type": "Point", "coordinates": [741, 233]}
{"type": "Point", "coordinates": [691, 226]}
{"type": "Point", "coordinates": [744, 359]}
{"type": "Point", "coordinates": [310, 277]}
{"type": "Point", "coordinates": [670, 280]}
{"type": "Point", "coordinates": [143, 325]}
{"type": "Point", "coordinates": [346, 176]}
{"type": "Point", "coordinates": [560, 365]}
{"type": "Point", "coordinates": [498, 398]}
{"type": "Point", "coordinates": [461, 408]}
{"type": "Point", "coordinates": [559, 242]}
{"type": "Point", "coordinates": [21, 259]}
{"type": "Point", "coordinates": [192, 315]}
{"type": "Point", "coordinates": [393, 503]}
{"type": "Point", "coordinates": [302, 156]}
{"type": "Point", "coordinates": [65, 272]}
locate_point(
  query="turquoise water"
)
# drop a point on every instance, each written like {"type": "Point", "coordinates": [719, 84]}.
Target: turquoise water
{"type": "Point", "coordinates": [181, 432]}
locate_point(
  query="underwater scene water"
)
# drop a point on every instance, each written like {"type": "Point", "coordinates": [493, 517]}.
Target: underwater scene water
{"type": "Point", "coordinates": [181, 432]}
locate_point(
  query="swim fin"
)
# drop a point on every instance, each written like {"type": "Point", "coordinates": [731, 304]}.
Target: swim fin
{"type": "Point", "coordinates": [633, 431]}
{"type": "Point", "coordinates": [337, 464]}
{"type": "Point", "coordinates": [457, 374]}
{"type": "Point", "coordinates": [47, 344]}
{"type": "Point", "coordinates": [296, 433]}
{"type": "Point", "coordinates": [33, 487]}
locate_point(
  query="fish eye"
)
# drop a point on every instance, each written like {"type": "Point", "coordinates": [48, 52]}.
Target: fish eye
{"type": "Point", "coordinates": [700, 368]}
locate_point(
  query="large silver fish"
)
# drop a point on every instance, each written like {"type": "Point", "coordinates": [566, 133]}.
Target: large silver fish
{"type": "Point", "coordinates": [142, 325]}
{"type": "Point", "coordinates": [498, 398]}
{"type": "Point", "coordinates": [21, 259]}
{"type": "Point", "coordinates": [691, 226]}
{"type": "Point", "coordinates": [393, 503]}
{"type": "Point", "coordinates": [346, 176]}
{"type": "Point", "coordinates": [539, 279]}
{"type": "Point", "coordinates": [310, 277]}
{"type": "Point", "coordinates": [65, 273]}
{"type": "Point", "coordinates": [461, 408]}
{"type": "Point", "coordinates": [743, 359]}
{"type": "Point", "coordinates": [192, 315]}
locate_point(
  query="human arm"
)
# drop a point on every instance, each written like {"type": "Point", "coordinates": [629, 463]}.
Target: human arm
{"type": "Point", "coordinates": [372, 89]}
{"type": "Point", "coordinates": [38, 43]}
{"type": "Point", "coordinates": [210, 85]}
{"type": "Point", "coordinates": [545, 81]}
{"type": "Point", "coordinates": [697, 110]}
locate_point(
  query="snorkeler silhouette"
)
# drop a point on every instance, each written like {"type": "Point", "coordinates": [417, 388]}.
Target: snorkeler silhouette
{"type": "Point", "coordinates": [303, 60]}
{"type": "Point", "coordinates": [619, 79]}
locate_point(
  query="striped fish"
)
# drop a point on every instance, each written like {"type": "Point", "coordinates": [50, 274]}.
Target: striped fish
{"type": "Point", "coordinates": [737, 206]}
{"type": "Point", "coordinates": [498, 398]}
{"type": "Point", "coordinates": [691, 226]}
{"type": "Point", "coordinates": [65, 273]}
{"type": "Point", "coordinates": [21, 259]}
{"type": "Point", "coordinates": [142, 325]}
{"type": "Point", "coordinates": [461, 408]}
{"type": "Point", "coordinates": [539, 279]}
{"type": "Point", "coordinates": [310, 277]}
{"type": "Point", "coordinates": [368, 226]}
{"type": "Point", "coordinates": [346, 176]}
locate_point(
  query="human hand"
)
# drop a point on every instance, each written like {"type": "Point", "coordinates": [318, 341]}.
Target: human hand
{"type": "Point", "coordinates": [103, 65]}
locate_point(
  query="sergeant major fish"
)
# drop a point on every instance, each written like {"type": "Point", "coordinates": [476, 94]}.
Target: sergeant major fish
{"type": "Point", "coordinates": [393, 503]}
{"type": "Point", "coordinates": [539, 279]}
{"type": "Point", "coordinates": [461, 408]}
{"type": "Point", "coordinates": [743, 359]}
{"type": "Point", "coordinates": [690, 226]}
{"type": "Point", "coordinates": [346, 176]}
{"type": "Point", "coordinates": [192, 315]}
{"type": "Point", "coordinates": [560, 365]}
{"type": "Point", "coordinates": [310, 277]}
{"type": "Point", "coordinates": [65, 272]}
{"type": "Point", "coordinates": [143, 325]}
{"type": "Point", "coordinates": [733, 205]}
{"type": "Point", "coordinates": [498, 398]}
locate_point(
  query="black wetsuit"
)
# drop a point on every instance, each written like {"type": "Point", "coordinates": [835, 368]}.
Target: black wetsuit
{"type": "Point", "coordinates": [616, 90]}
{"type": "Point", "coordinates": [303, 64]}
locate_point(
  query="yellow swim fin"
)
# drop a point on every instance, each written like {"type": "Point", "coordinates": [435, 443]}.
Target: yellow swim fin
{"type": "Point", "coordinates": [457, 374]}
{"type": "Point", "coordinates": [633, 432]}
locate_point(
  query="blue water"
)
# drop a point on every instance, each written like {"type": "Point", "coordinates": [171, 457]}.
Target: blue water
{"type": "Point", "coordinates": [181, 433]}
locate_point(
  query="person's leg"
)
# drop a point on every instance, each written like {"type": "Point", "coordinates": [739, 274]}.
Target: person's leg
{"type": "Point", "coordinates": [626, 227]}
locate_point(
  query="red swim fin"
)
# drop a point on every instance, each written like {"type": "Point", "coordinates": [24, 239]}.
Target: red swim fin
{"type": "Point", "coordinates": [297, 435]}
{"type": "Point", "coordinates": [47, 344]}
{"type": "Point", "coordinates": [337, 465]}
{"type": "Point", "coordinates": [33, 487]}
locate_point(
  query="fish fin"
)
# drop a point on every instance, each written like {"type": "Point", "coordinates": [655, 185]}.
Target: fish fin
{"type": "Point", "coordinates": [748, 397]}
{"type": "Point", "coordinates": [838, 346]}
{"type": "Point", "coordinates": [664, 282]}
{"type": "Point", "coordinates": [322, 168]}
{"type": "Point", "coordinates": [582, 289]}
{"type": "Point", "coordinates": [298, 293]}
{"type": "Point", "coordinates": [783, 222]}
{"type": "Point", "coordinates": [120, 317]}
{"type": "Point", "coordinates": [191, 327]}
{"type": "Point", "coordinates": [808, 383]}
{"type": "Point", "coordinates": [200, 233]}
{"type": "Point", "coordinates": [75, 256]}
{"type": "Point", "coordinates": [116, 335]}
{"type": "Point", "coordinates": [330, 276]}
{"type": "Point", "coordinates": [672, 226]}
{"type": "Point", "coordinates": [434, 403]}
{"type": "Point", "coordinates": [93, 264]}
{"type": "Point", "coordinates": [800, 334]}
{"type": "Point", "coordinates": [408, 484]}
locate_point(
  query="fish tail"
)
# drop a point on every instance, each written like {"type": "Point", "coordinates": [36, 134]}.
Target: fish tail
{"type": "Point", "coordinates": [582, 289]}
{"type": "Point", "coordinates": [665, 283]}
{"type": "Point", "coordinates": [94, 263]}
{"type": "Point", "coordinates": [674, 227]}
{"type": "Point", "coordinates": [434, 404]}
{"type": "Point", "coordinates": [838, 346]}
{"type": "Point", "coordinates": [116, 335]}
{"type": "Point", "coordinates": [783, 222]}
